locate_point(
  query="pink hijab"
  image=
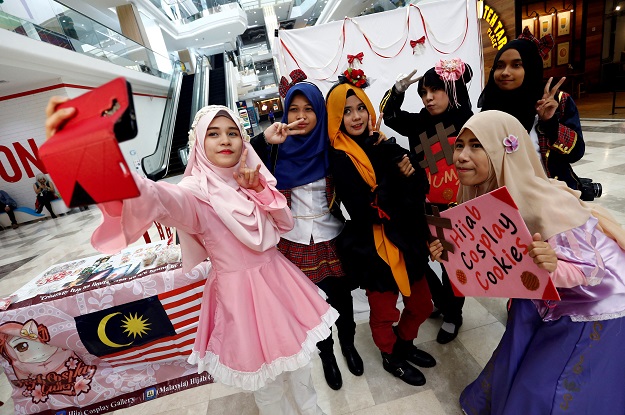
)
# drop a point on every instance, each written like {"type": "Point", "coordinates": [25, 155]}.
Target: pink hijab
{"type": "Point", "coordinates": [217, 187]}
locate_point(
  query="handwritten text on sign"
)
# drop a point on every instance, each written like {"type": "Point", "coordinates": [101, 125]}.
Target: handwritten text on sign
{"type": "Point", "coordinates": [491, 258]}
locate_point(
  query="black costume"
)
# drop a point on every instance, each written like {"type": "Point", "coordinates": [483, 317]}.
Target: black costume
{"type": "Point", "coordinates": [412, 125]}
{"type": "Point", "coordinates": [400, 198]}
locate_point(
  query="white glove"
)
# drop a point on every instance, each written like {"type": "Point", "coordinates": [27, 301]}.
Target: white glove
{"type": "Point", "coordinates": [404, 81]}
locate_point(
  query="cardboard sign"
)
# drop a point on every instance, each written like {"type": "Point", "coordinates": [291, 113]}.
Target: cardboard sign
{"type": "Point", "coordinates": [444, 183]}
{"type": "Point", "coordinates": [490, 250]}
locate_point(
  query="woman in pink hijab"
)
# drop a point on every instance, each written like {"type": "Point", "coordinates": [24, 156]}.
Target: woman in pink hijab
{"type": "Point", "coordinates": [261, 317]}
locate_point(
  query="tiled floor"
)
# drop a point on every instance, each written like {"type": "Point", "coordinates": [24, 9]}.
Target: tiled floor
{"type": "Point", "coordinates": [32, 248]}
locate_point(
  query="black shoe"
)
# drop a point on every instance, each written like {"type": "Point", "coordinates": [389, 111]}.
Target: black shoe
{"type": "Point", "coordinates": [401, 369]}
{"type": "Point", "coordinates": [408, 351]}
{"type": "Point", "coordinates": [445, 337]}
{"type": "Point", "coordinates": [436, 313]}
{"type": "Point", "coordinates": [331, 372]}
{"type": "Point", "coordinates": [353, 359]}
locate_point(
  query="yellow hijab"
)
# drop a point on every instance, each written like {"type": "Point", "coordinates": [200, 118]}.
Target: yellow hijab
{"type": "Point", "coordinates": [547, 206]}
{"type": "Point", "coordinates": [339, 140]}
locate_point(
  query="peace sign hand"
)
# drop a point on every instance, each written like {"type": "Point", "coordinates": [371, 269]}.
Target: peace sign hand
{"type": "Point", "coordinates": [376, 130]}
{"type": "Point", "coordinates": [277, 132]}
{"type": "Point", "coordinates": [546, 107]}
{"type": "Point", "coordinates": [403, 82]}
{"type": "Point", "coordinates": [248, 178]}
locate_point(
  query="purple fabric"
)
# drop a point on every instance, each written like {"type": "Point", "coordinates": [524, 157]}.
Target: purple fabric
{"type": "Point", "coordinates": [603, 263]}
{"type": "Point", "coordinates": [562, 357]}
{"type": "Point", "coordinates": [549, 368]}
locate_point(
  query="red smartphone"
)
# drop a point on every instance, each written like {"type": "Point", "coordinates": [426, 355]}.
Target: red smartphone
{"type": "Point", "coordinates": [83, 157]}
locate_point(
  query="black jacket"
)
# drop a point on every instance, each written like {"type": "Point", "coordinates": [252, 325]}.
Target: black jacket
{"type": "Point", "coordinates": [400, 198]}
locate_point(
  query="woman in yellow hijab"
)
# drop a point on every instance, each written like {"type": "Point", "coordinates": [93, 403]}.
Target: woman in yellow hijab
{"type": "Point", "coordinates": [384, 242]}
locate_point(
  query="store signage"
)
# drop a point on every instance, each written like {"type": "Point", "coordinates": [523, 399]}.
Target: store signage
{"type": "Point", "coordinates": [496, 31]}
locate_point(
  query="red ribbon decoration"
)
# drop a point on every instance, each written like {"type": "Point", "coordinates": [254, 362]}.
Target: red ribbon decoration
{"type": "Point", "coordinates": [297, 76]}
{"type": "Point", "coordinates": [382, 214]}
{"type": "Point", "coordinates": [350, 58]}
{"type": "Point", "coordinates": [420, 41]}
{"type": "Point", "coordinates": [544, 45]}
{"type": "Point", "coordinates": [342, 46]}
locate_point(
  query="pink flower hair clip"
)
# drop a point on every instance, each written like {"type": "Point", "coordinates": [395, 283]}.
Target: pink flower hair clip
{"type": "Point", "coordinates": [450, 70]}
{"type": "Point", "coordinates": [511, 143]}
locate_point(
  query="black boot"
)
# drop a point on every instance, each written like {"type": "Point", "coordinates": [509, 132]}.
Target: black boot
{"type": "Point", "coordinates": [331, 371]}
{"type": "Point", "coordinates": [353, 359]}
{"type": "Point", "coordinates": [408, 351]}
{"type": "Point", "coordinates": [398, 367]}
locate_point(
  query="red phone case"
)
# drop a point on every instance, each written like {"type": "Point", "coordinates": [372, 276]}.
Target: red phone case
{"type": "Point", "coordinates": [83, 157]}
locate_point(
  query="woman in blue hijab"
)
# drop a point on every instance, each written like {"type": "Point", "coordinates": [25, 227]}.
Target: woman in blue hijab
{"type": "Point", "coordinates": [296, 151]}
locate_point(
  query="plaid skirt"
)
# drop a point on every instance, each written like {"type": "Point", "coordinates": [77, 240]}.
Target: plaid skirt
{"type": "Point", "coordinates": [317, 260]}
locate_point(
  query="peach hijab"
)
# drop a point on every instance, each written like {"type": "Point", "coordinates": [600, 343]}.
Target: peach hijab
{"type": "Point", "coordinates": [547, 206]}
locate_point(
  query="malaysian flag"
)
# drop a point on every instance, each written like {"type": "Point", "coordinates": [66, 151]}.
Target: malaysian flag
{"type": "Point", "coordinates": [182, 310]}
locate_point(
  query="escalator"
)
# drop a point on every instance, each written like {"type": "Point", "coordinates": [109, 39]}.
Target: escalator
{"type": "Point", "coordinates": [188, 93]}
{"type": "Point", "coordinates": [217, 81]}
{"type": "Point", "coordinates": [182, 126]}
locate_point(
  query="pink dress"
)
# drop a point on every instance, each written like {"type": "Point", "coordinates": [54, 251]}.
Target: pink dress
{"type": "Point", "coordinates": [261, 316]}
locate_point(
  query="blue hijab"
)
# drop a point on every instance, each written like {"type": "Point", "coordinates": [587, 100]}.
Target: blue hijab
{"type": "Point", "coordinates": [303, 159]}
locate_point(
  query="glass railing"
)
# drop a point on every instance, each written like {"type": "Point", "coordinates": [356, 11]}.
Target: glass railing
{"type": "Point", "coordinates": [52, 22]}
{"type": "Point", "coordinates": [186, 11]}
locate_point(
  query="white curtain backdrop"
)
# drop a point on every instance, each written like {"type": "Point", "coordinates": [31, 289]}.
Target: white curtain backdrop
{"type": "Point", "coordinates": [451, 29]}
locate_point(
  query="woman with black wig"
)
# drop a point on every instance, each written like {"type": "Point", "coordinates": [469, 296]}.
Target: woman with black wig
{"type": "Point", "coordinates": [446, 107]}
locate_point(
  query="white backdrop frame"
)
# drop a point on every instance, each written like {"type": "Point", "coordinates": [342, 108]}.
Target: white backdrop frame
{"type": "Point", "coordinates": [450, 27]}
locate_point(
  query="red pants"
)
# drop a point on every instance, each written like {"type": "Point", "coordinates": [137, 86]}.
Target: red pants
{"type": "Point", "coordinates": [384, 313]}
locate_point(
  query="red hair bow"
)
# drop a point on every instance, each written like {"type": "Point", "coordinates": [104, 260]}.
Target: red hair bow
{"type": "Point", "coordinates": [544, 45]}
{"type": "Point", "coordinates": [420, 41]}
{"type": "Point", "coordinates": [359, 56]}
{"type": "Point", "coordinates": [297, 76]}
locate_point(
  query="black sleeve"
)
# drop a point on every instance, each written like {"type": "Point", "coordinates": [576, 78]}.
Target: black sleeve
{"type": "Point", "coordinates": [401, 121]}
{"type": "Point", "coordinates": [354, 192]}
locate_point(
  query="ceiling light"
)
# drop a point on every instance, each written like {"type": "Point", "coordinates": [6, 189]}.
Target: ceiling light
{"type": "Point", "coordinates": [618, 8]}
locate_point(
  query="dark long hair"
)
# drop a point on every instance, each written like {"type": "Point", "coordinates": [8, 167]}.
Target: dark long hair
{"type": "Point", "coordinates": [521, 102]}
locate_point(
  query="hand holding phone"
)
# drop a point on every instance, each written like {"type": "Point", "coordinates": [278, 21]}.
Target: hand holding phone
{"type": "Point", "coordinates": [82, 155]}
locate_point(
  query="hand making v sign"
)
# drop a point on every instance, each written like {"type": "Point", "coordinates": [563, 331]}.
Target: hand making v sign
{"type": "Point", "coordinates": [546, 107]}
{"type": "Point", "coordinates": [277, 132]}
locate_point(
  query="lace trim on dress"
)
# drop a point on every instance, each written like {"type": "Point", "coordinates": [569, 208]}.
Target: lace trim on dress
{"type": "Point", "coordinates": [252, 381]}
{"type": "Point", "coordinates": [600, 317]}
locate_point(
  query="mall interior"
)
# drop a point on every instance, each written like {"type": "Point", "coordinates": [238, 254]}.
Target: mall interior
{"type": "Point", "coordinates": [181, 55]}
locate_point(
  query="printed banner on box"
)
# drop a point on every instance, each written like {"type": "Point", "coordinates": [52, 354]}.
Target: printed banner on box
{"type": "Point", "coordinates": [490, 250]}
